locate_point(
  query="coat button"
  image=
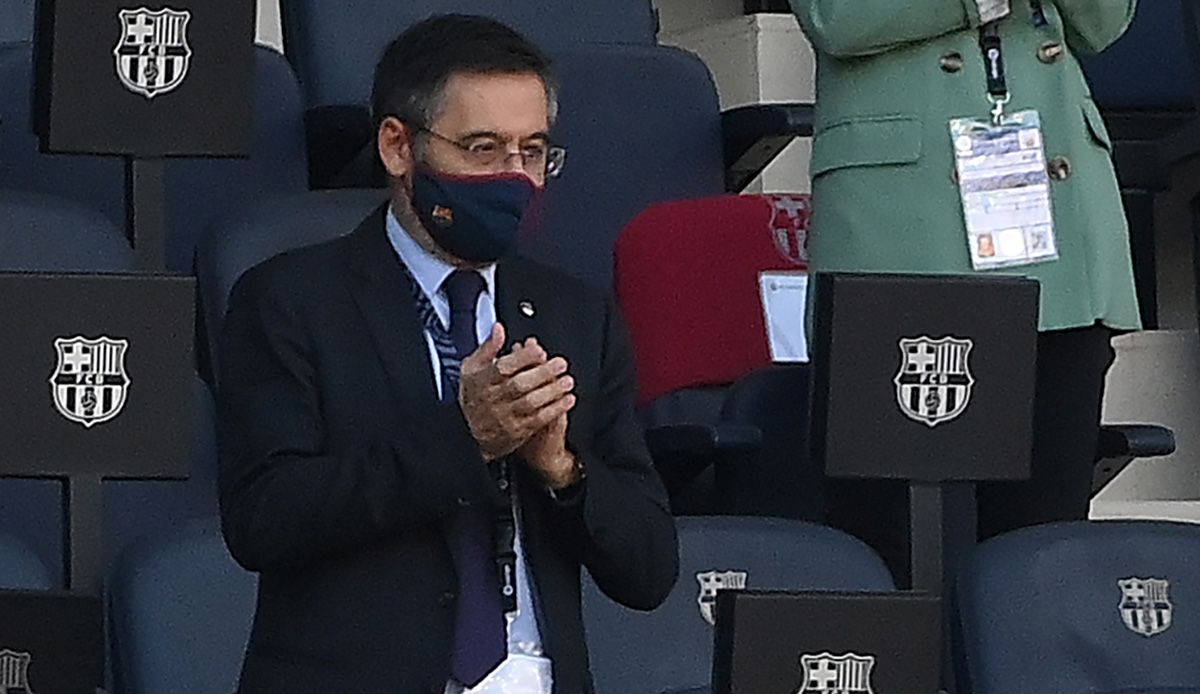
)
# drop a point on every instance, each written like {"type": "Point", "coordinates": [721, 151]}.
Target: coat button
{"type": "Point", "coordinates": [951, 62]}
{"type": "Point", "coordinates": [1050, 52]}
{"type": "Point", "coordinates": [446, 599]}
{"type": "Point", "coordinates": [1059, 168]}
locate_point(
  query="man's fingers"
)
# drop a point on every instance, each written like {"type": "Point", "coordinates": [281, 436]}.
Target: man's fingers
{"type": "Point", "coordinates": [546, 416]}
{"type": "Point", "coordinates": [535, 400]}
{"type": "Point", "coordinates": [522, 357]}
{"type": "Point", "coordinates": [531, 379]}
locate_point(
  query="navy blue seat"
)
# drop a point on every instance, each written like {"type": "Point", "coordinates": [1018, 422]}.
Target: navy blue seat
{"type": "Point", "coordinates": [179, 613]}
{"type": "Point", "coordinates": [48, 233]}
{"type": "Point", "coordinates": [1100, 607]}
{"type": "Point", "coordinates": [20, 568]}
{"type": "Point", "coordinates": [1130, 75]}
{"type": "Point", "coordinates": [16, 21]}
{"type": "Point", "coordinates": [334, 46]}
{"type": "Point", "coordinates": [243, 240]}
{"type": "Point", "coordinates": [198, 191]}
{"type": "Point", "coordinates": [671, 648]}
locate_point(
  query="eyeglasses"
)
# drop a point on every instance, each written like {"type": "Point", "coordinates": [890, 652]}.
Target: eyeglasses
{"type": "Point", "coordinates": [538, 158]}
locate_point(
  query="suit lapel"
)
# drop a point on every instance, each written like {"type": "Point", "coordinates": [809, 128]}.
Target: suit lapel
{"type": "Point", "coordinates": [381, 293]}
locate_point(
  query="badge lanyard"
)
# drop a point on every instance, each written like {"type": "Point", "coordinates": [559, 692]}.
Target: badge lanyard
{"type": "Point", "coordinates": [506, 536]}
{"type": "Point", "coordinates": [993, 65]}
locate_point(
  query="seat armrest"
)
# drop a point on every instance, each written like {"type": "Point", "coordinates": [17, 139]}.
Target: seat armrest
{"type": "Point", "coordinates": [1135, 441]}
{"type": "Point", "coordinates": [696, 440]}
{"type": "Point", "coordinates": [754, 135]}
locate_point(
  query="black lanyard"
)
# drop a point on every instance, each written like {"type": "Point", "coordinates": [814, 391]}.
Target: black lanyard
{"type": "Point", "coordinates": [993, 58]}
{"type": "Point", "coordinates": [506, 536]}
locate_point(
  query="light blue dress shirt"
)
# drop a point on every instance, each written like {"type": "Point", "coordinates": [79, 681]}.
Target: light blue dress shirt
{"type": "Point", "coordinates": [526, 663]}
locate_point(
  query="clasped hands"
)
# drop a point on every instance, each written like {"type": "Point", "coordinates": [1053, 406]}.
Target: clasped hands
{"type": "Point", "coordinates": [518, 402]}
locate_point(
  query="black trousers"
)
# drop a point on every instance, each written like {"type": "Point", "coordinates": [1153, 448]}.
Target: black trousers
{"type": "Point", "coordinates": [1069, 392]}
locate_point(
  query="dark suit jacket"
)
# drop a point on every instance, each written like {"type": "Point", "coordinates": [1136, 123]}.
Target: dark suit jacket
{"type": "Point", "coordinates": [339, 468]}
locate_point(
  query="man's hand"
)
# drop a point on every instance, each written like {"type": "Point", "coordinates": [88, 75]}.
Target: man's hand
{"type": "Point", "coordinates": [507, 400]}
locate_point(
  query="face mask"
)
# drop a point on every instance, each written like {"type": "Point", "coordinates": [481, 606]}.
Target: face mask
{"type": "Point", "coordinates": [474, 218]}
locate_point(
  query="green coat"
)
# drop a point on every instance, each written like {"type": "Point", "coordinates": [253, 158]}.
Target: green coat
{"type": "Point", "coordinates": [890, 76]}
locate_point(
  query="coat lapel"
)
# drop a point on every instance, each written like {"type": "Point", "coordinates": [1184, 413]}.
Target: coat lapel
{"type": "Point", "coordinates": [383, 297]}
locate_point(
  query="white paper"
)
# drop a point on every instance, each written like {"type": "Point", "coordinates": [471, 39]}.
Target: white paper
{"type": "Point", "coordinates": [783, 298]}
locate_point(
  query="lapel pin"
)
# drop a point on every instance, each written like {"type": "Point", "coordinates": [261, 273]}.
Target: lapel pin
{"type": "Point", "coordinates": [527, 309]}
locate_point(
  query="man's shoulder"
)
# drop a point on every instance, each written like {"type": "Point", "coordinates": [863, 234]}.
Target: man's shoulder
{"type": "Point", "coordinates": [300, 271]}
{"type": "Point", "coordinates": [554, 280]}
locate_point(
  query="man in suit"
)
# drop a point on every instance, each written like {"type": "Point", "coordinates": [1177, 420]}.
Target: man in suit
{"type": "Point", "coordinates": [891, 76]}
{"type": "Point", "coordinates": [414, 475]}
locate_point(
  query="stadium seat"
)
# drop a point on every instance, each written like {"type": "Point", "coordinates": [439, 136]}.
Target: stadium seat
{"type": "Point", "coordinates": [16, 21]}
{"type": "Point", "coordinates": [179, 614]}
{"type": "Point", "coordinates": [334, 49]}
{"type": "Point", "coordinates": [246, 238]}
{"type": "Point", "coordinates": [1101, 607]}
{"type": "Point", "coordinates": [671, 648]}
{"type": "Point", "coordinates": [46, 233]}
{"type": "Point", "coordinates": [780, 479]}
{"type": "Point", "coordinates": [687, 273]}
{"type": "Point", "coordinates": [198, 191]}
{"type": "Point", "coordinates": [1143, 106]}
{"type": "Point", "coordinates": [20, 568]}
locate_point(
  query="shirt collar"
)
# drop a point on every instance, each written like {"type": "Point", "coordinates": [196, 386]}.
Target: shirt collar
{"type": "Point", "coordinates": [427, 269]}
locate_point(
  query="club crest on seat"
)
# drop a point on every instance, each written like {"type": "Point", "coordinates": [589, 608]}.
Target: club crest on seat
{"type": "Point", "coordinates": [14, 672]}
{"type": "Point", "coordinates": [1146, 605]}
{"type": "Point", "coordinates": [152, 54]}
{"type": "Point", "coordinates": [89, 383]}
{"type": "Point", "coordinates": [934, 382]}
{"type": "Point", "coordinates": [711, 582]}
{"type": "Point", "coordinates": [825, 673]}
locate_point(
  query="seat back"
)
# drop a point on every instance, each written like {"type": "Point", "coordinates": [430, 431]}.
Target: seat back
{"type": "Point", "coordinates": [16, 21]}
{"type": "Point", "coordinates": [1082, 607]}
{"type": "Point", "coordinates": [687, 279]}
{"type": "Point", "coordinates": [782, 479]}
{"type": "Point", "coordinates": [246, 238]}
{"type": "Point", "coordinates": [180, 612]}
{"type": "Point", "coordinates": [335, 46]}
{"type": "Point", "coordinates": [201, 191]}
{"type": "Point", "coordinates": [671, 648]}
{"type": "Point", "coordinates": [1129, 75]}
{"type": "Point", "coordinates": [20, 568]}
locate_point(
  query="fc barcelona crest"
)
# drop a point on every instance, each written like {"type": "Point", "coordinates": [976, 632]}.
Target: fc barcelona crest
{"type": "Point", "coordinates": [1145, 605]}
{"type": "Point", "coordinates": [934, 382]}
{"type": "Point", "coordinates": [789, 226]}
{"type": "Point", "coordinates": [90, 384]}
{"type": "Point", "coordinates": [710, 583]}
{"type": "Point", "coordinates": [152, 53]}
{"type": "Point", "coordinates": [14, 672]}
{"type": "Point", "coordinates": [826, 673]}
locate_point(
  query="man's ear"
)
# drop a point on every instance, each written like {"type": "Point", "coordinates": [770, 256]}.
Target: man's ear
{"type": "Point", "coordinates": [394, 141]}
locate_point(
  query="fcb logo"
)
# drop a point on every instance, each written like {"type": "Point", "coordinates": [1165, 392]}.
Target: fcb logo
{"type": "Point", "coordinates": [1145, 605]}
{"type": "Point", "coordinates": [934, 382]}
{"type": "Point", "coordinates": [826, 673]}
{"type": "Point", "coordinates": [152, 53]}
{"type": "Point", "coordinates": [89, 383]}
{"type": "Point", "coordinates": [789, 226]}
{"type": "Point", "coordinates": [14, 672]}
{"type": "Point", "coordinates": [443, 215]}
{"type": "Point", "coordinates": [710, 583]}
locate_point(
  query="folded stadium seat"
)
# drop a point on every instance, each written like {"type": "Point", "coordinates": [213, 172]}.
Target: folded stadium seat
{"type": "Point", "coordinates": [198, 191]}
{"type": "Point", "coordinates": [671, 648]}
{"type": "Point", "coordinates": [179, 614]}
{"type": "Point", "coordinates": [780, 478]}
{"type": "Point", "coordinates": [1145, 108]}
{"type": "Point", "coordinates": [334, 48]}
{"type": "Point", "coordinates": [248, 237]}
{"type": "Point", "coordinates": [47, 233]}
{"type": "Point", "coordinates": [687, 280]}
{"type": "Point", "coordinates": [1103, 608]}
{"type": "Point", "coordinates": [20, 568]}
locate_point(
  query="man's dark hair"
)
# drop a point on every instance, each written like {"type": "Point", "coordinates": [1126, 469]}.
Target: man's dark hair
{"type": "Point", "coordinates": [412, 74]}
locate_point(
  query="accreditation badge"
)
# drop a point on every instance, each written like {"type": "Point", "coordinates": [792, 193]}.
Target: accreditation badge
{"type": "Point", "coordinates": [1005, 190]}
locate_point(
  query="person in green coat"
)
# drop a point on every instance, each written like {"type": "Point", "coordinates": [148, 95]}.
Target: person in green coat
{"type": "Point", "coordinates": [891, 76]}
